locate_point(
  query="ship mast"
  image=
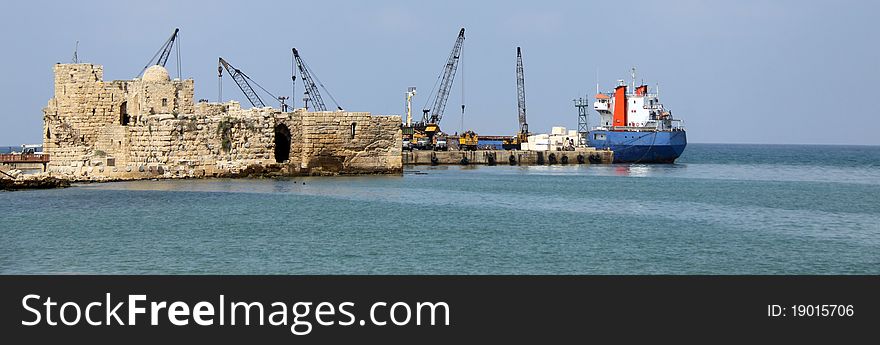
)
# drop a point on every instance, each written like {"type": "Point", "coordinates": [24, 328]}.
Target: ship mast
{"type": "Point", "coordinates": [633, 79]}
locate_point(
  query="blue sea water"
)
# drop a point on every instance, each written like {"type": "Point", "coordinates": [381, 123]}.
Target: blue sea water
{"type": "Point", "coordinates": [721, 209]}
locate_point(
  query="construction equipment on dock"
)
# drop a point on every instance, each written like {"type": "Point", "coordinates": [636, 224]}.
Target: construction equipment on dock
{"type": "Point", "coordinates": [523, 134]}
{"type": "Point", "coordinates": [430, 123]}
{"type": "Point", "coordinates": [244, 83]}
{"type": "Point", "coordinates": [420, 140]}
{"type": "Point", "coordinates": [407, 130]}
{"type": "Point", "coordinates": [468, 141]}
{"type": "Point", "coordinates": [311, 93]}
{"type": "Point", "coordinates": [441, 142]}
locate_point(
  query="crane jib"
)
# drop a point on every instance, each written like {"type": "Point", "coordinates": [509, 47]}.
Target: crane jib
{"type": "Point", "coordinates": [241, 80]}
{"type": "Point", "coordinates": [161, 56]}
{"type": "Point", "coordinates": [166, 49]}
{"type": "Point", "coordinates": [447, 78]}
{"type": "Point", "coordinates": [311, 87]}
{"type": "Point", "coordinates": [521, 93]}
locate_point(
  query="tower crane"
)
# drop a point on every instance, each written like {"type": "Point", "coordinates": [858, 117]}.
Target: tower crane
{"type": "Point", "coordinates": [311, 93]}
{"type": "Point", "coordinates": [161, 56]}
{"type": "Point", "coordinates": [523, 134]}
{"type": "Point", "coordinates": [244, 83]}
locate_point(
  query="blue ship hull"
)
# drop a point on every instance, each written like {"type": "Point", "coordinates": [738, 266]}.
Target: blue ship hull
{"type": "Point", "coordinates": [640, 147]}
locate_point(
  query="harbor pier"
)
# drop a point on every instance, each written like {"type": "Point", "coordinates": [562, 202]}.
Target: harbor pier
{"type": "Point", "coordinates": [508, 157]}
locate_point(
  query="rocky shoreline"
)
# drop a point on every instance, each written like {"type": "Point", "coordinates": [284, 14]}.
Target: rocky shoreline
{"type": "Point", "coordinates": [35, 182]}
{"type": "Point", "coordinates": [253, 171]}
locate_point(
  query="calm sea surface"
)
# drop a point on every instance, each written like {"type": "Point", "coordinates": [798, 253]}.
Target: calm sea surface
{"type": "Point", "coordinates": [722, 209]}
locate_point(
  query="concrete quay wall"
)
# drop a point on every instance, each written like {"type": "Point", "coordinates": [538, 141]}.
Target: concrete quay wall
{"type": "Point", "coordinates": [504, 157]}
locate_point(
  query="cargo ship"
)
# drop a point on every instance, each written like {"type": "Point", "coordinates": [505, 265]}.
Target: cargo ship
{"type": "Point", "coordinates": [636, 126]}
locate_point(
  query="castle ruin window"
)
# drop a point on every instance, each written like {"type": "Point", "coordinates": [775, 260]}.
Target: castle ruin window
{"type": "Point", "coordinates": [353, 128]}
{"type": "Point", "coordinates": [164, 102]}
{"type": "Point", "coordinates": [124, 119]}
{"type": "Point", "coordinates": [282, 143]}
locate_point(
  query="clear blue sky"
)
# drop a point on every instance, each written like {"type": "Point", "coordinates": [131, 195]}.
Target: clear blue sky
{"type": "Point", "coordinates": [735, 71]}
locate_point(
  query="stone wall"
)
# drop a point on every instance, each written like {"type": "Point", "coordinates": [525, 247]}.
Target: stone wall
{"type": "Point", "coordinates": [150, 127]}
{"type": "Point", "coordinates": [349, 142]}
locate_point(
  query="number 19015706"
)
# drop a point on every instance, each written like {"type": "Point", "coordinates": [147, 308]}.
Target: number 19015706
{"type": "Point", "coordinates": [811, 310]}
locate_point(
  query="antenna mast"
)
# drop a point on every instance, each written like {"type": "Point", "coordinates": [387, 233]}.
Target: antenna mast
{"type": "Point", "coordinates": [634, 79]}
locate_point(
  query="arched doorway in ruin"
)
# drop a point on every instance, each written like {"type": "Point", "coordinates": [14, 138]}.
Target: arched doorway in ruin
{"type": "Point", "coordinates": [282, 143]}
{"type": "Point", "coordinates": [124, 118]}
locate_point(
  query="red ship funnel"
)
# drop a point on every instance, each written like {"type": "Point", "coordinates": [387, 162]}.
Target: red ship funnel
{"type": "Point", "coordinates": [620, 106]}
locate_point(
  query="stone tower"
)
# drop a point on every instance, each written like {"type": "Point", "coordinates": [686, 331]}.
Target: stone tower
{"type": "Point", "coordinates": [88, 116]}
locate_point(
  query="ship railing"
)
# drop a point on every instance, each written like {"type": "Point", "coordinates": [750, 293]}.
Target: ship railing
{"type": "Point", "coordinates": [636, 128]}
{"type": "Point", "coordinates": [658, 128]}
{"type": "Point", "coordinates": [649, 95]}
{"type": "Point", "coordinates": [677, 124]}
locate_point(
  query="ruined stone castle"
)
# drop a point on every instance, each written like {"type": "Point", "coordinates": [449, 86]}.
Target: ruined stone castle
{"type": "Point", "coordinates": [152, 128]}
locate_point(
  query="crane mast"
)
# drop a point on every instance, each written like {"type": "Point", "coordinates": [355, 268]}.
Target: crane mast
{"type": "Point", "coordinates": [439, 105]}
{"type": "Point", "coordinates": [242, 80]}
{"type": "Point", "coordinates": [521, 94]}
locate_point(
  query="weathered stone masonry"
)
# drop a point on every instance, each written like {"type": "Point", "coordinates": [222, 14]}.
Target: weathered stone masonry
{"type": "Point", "coordinates": [150, 127]}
